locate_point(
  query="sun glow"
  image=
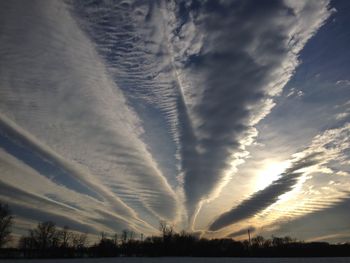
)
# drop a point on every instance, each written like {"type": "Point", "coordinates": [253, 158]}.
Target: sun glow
{"type": "Point", "coordinates": [270, 172]}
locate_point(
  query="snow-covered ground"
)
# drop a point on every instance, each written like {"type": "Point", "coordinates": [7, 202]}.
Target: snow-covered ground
{"type": "Point", "coordinates": [186, 260]}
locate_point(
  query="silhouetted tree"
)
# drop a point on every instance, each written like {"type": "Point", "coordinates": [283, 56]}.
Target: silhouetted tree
{"type": "Point", "coordinates": [46, 235]}
{"type": "Point", "coordinates": [166, 230]}
{"type": "Point", "coordinates": [277, 241]}
{"type": "Point", "coordinates": [258, 241]}
{"type": "Point", "coordinates": [66, 237]}
{"type": "Point", "coordinates": [131, 235]}
{"type": "Point", "coordinates": [106, 247]}
{"type": "Point", "coordinates": [288, 240]}
{"type": "Point", "coordinates": [79, 240]}
{"type": "Point", "coordinates": [6, 221]}
{"type": "Point", "coordinates": [103, 235]}
{"type": "Point", "coordinates": [267, 243]}
{"type": "Point", "coordinates": [115, 239]}
{"type": "Point", "coordinates": [25, 242]}
{"type": "Point", "coordinates": [48, 241]}
{"type": "Point", "coordinates": [124, 237]}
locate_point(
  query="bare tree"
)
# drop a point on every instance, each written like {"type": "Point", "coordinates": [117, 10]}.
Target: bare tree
{"type": "Point", "coordinates": [288, 240]}
{"type": "Point", "coordinates": [79, 240]}
{"type": "Point", "coordinates": [115, 239]}
{"type": "Point", "coordinates": [25, 242]}
{"type": "Point", "coordinates": [277, 241]}
{"type": "Point", "coordinates": [103, 235]}
{"type": "Point", "coordinates": [267, 243]}
{"type": "Point", "coordinates": [258, 241]}
{"type": "Point", "coordinates": [46, 235]}
{"type": "Point", "coordinates": [124, 237]}
{"type": "Point", "coordinates": [6, 221]}
{"type": "Point", "coordinates": [66, 237]}
{"type": "Point", "coordinates": [131, 235]}
{"type": "Point", "coordinates": [166, 229]}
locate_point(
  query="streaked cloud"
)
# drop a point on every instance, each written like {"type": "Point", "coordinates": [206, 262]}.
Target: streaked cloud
{"type": "Point", "coordinates": [63, 91]}
{"type": "Point", "coordinates": [332, 145]}
{"type": "Point", "coordinates": [230, 83]}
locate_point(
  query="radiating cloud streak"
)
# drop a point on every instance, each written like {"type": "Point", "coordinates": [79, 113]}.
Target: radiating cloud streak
{"type": "Point", "coordinates": [325, 224]}
{"type": "Point", "coordinates": [64, 98]}
{"type": "Point", "coordinates": [35, 197]}
{"type": "Point", "coordinates": [133, 38]}
{"type": "Point", "coordinates": [199, 71]}
{"type": "Point", "coordinates": [246, 55]}
{"type": "Point", "coordinates": [332, 144]}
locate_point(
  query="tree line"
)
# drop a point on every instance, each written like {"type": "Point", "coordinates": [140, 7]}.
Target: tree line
{"type": "Point", "coordinates": [47, 240]}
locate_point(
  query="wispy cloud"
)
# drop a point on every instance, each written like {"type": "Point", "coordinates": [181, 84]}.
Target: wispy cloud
{"type": "Point", "coordinates": [65, 100]}
{"type": "Point", "coordinates": [244, 59]}
{"type": "Point", "coordinates": [33, 196]}
{"type": "Point", "coordinates": [263, 198]}
{"type": "Point", "coordinates": [210, 79]}
{"type": "Point", "coordinates": [331, 145]}
{"type": "Point", "coordinates": [343, 82]}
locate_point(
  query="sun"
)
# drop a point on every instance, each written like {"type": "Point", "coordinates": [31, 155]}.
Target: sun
{"type": "Point", "coordinates": [269, 173]}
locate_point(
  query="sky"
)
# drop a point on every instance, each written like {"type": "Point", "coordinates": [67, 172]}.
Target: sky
{"type": "Point", "coordinates": [215, 116]}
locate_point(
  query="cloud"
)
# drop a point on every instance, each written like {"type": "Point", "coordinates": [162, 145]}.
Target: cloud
{"type": "Point", "coordinates": [143, 105]}
{"type": "Point", "coordinates": [245, 56]}
{"type": "Point", "coordinates": [57, 90]}
{"type": "Point", "coordinates": [33, 212]}
{"type": "Point", "coordinates": [133, 39]}
{"type": "Point", "coordinates": [210, 70]}
{"type": "Point", "coordinates": [332, 144]}
{"type": "Point", "coordinates": [319, 226]}
{"type": "Point", "coordinates": [343, 82]}
{"type": "Point", "coordinates": [294, 92]}
{"type": "Point", "coordinates": [257, 202]}
{"type": "Point", "coordinates": [41, 199]}
{"type": "Point", "coordinates": [341, 116]}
